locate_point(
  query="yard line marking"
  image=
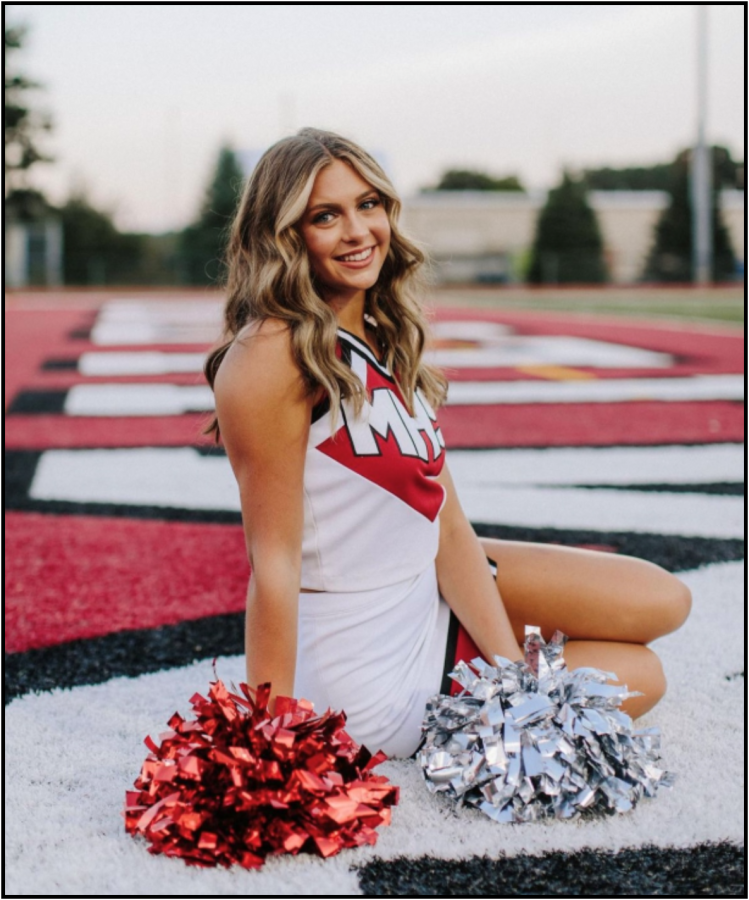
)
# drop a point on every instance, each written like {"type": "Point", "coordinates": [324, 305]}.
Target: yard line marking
{"type": "Point", "coordinates": [602, 465]}
{"type": "Point", "coordinates": [699, 387]}
{"type": "Point", "coordinates": [169, 399]}
{"type": "Point", "coordinates": [157, 477]}
{"type": "Point", "coordinates": [139, 363]}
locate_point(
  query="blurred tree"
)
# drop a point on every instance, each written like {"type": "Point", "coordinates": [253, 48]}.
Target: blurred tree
{"type": "Point", "coordinates": [468, 180]}
{"type": "Point", "coordinates": [729, 173]}
{"type": "Point", "coordinates": [670, 257]}
{"type": "Point", "coordinates": [22, 125]}
{"type": "Point", "coordinates": [632, 178]}
{"type": "Point", "coordinates": [94, 251]}
{"type": "Point", "coordinates": [202, 244]}
{"type": "Point", "coordinates": [567, 246]}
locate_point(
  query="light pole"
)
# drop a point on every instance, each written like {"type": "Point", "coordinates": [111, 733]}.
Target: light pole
{"type": "Point", "coordinates": [701, 170]}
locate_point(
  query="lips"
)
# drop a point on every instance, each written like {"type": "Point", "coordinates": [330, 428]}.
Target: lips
{"type": "Point", "coordinates": [347, 261]}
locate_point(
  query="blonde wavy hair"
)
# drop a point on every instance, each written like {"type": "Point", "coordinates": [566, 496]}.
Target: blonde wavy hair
{"type": "Point", "coordinates": [268, 275]}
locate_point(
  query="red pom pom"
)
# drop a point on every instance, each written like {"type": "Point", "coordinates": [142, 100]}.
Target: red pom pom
{"type": "Point", "coordinates": [235, 784]}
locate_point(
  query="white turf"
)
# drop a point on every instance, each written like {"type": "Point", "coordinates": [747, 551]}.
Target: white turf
{"type": "Point", "coordinates": [513, 487]}
{"type": "Point", "coordinates": [72, 754]}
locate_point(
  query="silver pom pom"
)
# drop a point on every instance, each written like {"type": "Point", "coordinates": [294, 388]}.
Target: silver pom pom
{"type": "Point", "coordinates": [530, 740]}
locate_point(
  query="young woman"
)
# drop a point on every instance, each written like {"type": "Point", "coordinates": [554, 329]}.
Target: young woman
{"type": "Point", "coordinates": [363, 562]}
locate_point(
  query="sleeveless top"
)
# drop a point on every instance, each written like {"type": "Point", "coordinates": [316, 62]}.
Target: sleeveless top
{"type": "Point", "coordinates": [371, 499]}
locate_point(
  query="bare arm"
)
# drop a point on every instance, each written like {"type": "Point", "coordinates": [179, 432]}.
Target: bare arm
{"type": "Point", "coordinates": [466, 581]}
{"type": "Point", "coordinates": [264, 414]}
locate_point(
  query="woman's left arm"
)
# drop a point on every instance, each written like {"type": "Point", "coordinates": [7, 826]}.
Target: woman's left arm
{"type": "Point", "coordinates": [466, 581]}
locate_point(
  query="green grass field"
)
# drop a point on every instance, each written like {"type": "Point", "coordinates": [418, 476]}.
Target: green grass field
{"type": "Point", "coordinates": [717, 304]}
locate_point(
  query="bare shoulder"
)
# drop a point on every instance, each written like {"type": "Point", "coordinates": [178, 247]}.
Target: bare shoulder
{"type": "Point", "coordinates": [259, 364]}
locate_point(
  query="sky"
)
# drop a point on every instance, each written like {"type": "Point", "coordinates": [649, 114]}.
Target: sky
{"type": "Point", "coordinates": [143, 96]}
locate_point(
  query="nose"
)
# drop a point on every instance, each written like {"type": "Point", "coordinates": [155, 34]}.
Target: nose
{"type": "Point", "coordinates": [355, 228]}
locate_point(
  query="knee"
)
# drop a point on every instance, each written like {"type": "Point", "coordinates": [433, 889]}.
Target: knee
{"type": "Point", "coordinates": [650, 682]}
{"type": "Point", "coordinates": [676, 604]}
{"type": "Point", "coordinates": [664, 605]}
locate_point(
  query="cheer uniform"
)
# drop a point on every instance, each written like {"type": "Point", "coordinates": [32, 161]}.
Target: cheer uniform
{"type": "Point", "coordinates": [375, 638]}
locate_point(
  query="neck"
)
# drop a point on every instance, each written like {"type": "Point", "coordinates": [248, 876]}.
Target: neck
{"type": "Point", "coordinates": [350, 312]}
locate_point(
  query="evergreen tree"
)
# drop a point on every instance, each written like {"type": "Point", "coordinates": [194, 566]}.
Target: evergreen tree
{"type": "Point", "coordinates": [469, 180]}
{"type": "Point", "coordinates": [670, 257]}
{"type": "Point", "coordinates": [95, 252]}
{"type": "Point", "coordinates": [22, 125]}
{"type": "Point", "coordinates": [202, 244]}
{"type": "Point", "coordinates": [567, 246]}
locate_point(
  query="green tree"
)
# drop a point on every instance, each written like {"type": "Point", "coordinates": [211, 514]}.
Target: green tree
{"type": "Point", "coordinates": [567, 246]}
{"type": "Point", "coordinates": [469, 180]}
{"type": "Point", "coordinates": [94, 251]}
{"type": "Point", "coordinates": [670, 257]}
{"type": "Point", "coordinates": [632, 178]}
{"type": "Point", "coordinates": [23, 126]}
{"type": "Point", "coordinates": [729, 173]}
{"type": "Point", "coordinates": [202, 244]}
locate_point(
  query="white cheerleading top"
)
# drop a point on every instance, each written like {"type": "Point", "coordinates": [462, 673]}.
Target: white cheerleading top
{"type": "Point", "coordinates": [371, 498]}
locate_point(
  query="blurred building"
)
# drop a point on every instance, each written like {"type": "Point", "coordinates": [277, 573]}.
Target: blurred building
{"type": "Point", "coordinates": [33, 241]}
{"type": "Point", "coordinates": [487, 235]}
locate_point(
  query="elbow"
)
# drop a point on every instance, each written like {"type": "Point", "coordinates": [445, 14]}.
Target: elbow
{"type": "Point", "coordinates": [275, 573]}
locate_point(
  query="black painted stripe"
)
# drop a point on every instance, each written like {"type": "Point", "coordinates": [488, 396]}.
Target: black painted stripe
{"type": "Point", "coordinates": [38, 402]}
{"type": "Point", "coordinates": [41, 402]}
{"type": "Point", "coordinates": [672, 552]}
{"type": "Point", "coordinates": [124, 653]}
{"type": "Point", "coordinates": [731, 488]}
{"type": "Point", "coordinates": [54, 365]}
{"type": "Point", "coordinates": [19, 467]}
{"type": "Point", "coordinates": [116, 510]}
{"type": "Point", "coordinates": [709, 869]}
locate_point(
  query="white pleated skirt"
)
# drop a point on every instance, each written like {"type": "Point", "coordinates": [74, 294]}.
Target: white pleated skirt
{"type": "Point", "coordinates": [376, 654]}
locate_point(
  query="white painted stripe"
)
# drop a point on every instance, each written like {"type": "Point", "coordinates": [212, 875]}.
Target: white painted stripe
{"type": "Point", "coordinates": [139, 363]}
{"type": "Point", "coordinates": [605, 510]}
{"type": "Point", "coordinates": [137, 399]}
{"type": "Point", "coordinates": [138, 333]}
{"type": "Point", "coordinates": [133, 321]}
{"type": "Point", "coordinates": [605, 390]}
{"type": "Point", "coordinates": [174, 400]}
{"type": "Point", "coordinates": [598, 465]}
{"type": "Point", "coordinates": [536, 350]}
{"type": "Point", "coordinates": [157, 363]}
{"type": "Point", "coordinates": [180, 477]}
{"type": "Point", "coordinates": [172, 311]}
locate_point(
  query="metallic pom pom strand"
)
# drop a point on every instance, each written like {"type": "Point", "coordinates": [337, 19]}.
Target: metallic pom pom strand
{"type": "Point", "coordinates": [530, 740]}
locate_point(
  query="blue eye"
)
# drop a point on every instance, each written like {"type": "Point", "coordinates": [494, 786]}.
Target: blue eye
{"type": "Point", "coordinates": [375, 201]}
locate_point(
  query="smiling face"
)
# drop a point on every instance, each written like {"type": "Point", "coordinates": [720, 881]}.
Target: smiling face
{"type": "Point", "coordinates": [347, 233]}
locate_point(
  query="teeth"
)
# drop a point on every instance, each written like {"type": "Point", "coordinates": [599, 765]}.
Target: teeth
{"type": "Point", "coordinates": [356, 257]}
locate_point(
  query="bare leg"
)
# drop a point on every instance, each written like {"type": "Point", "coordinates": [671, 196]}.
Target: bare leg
{"type": "Point", "coordinates": [587, 594]}
{"type": "Point", "coordinates": [608, 605]}
{"type": "Point", "coordinates": [634, 665]}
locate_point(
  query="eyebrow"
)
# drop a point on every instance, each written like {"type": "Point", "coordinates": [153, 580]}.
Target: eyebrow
{"type": "Point", "coordinates": [336, 205]}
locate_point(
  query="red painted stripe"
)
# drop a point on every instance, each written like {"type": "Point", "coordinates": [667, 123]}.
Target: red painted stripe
{"type": "Point", "coordinates": [32, 431]}
{"type": "Point", "coordinates": [509, 425]}
{"type": "Point", "coordinates": [592, 424]}
{"type": "Point", "coordinates": [34, 337]}
{"type": "Point", "coordinates": [73, 577]}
